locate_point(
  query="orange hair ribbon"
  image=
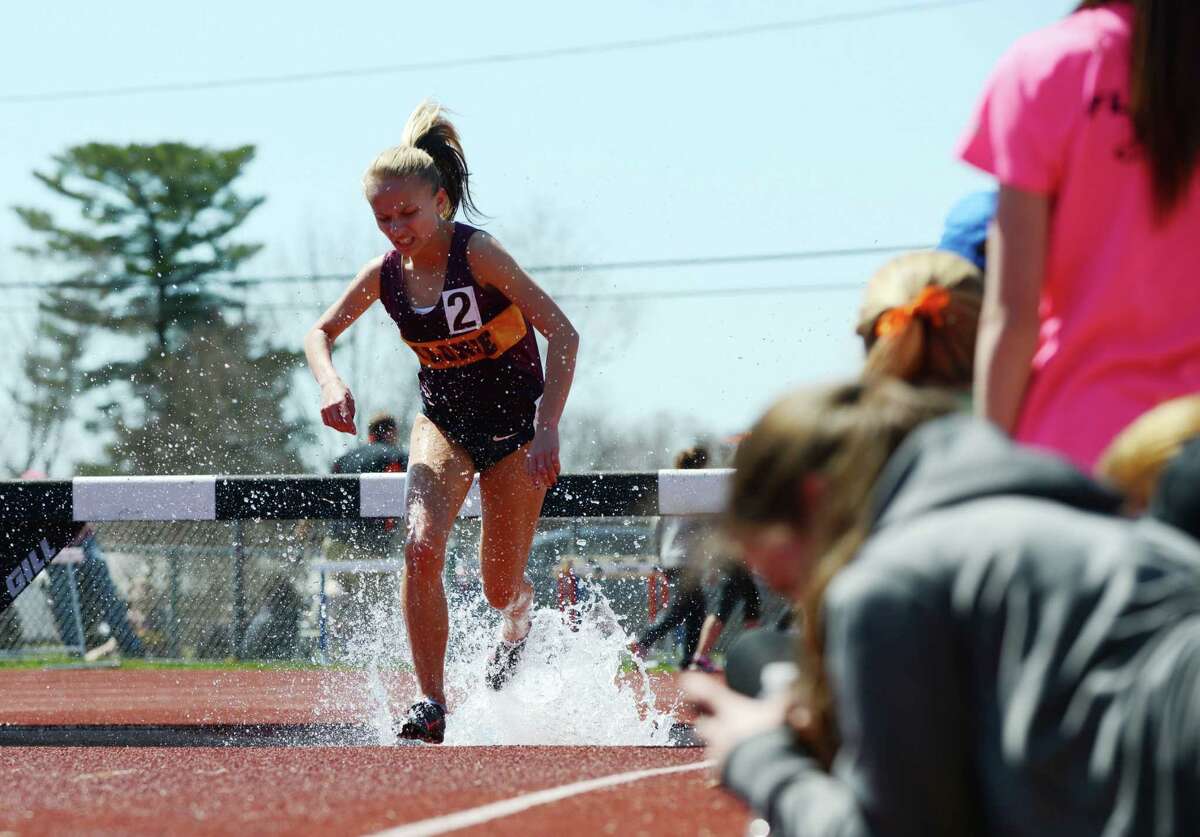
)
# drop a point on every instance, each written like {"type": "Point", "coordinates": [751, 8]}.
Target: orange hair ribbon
{"type": "Point", "coordinates": [931, 303]}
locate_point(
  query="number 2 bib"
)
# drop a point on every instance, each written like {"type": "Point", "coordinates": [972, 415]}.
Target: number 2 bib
{"type": "Point", "coordinates": [471, 339]}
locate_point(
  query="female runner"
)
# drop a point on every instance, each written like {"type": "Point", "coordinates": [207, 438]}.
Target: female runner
{"type": "Point", "coordinates": [468, 311]}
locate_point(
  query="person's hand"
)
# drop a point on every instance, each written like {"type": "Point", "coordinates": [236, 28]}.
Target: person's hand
{"type": "Point", "coordinates": [542, 461]}
{"type": "Point", "coordinates": [727, 718]}
{"type": "Point", "coordinates": [337, 407]}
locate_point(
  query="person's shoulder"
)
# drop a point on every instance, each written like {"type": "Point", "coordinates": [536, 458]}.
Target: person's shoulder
{"type": "Point", "coordinates": [882, 570]}
{"type": "Point", "coordinates": [870, 601]}
{"type": "Point", "coordinates": [912, 561]}
{"type": "Point", "coordinates": [339, 464]}
{"type": "Point", "coordinates": [1064, 48]}
{"type": "Point", "coordinates": [373, 265]}
{"type": "Point", "coordinates": [356, 460]}
{"type": "Point", "coordinates": [371, 271]}
{"type": "Point", "coordinates": [383, 262]}
{"type": "Point", "coordinates": [489, 262]}
{"type": "Point", "coordinates": [481, 244]}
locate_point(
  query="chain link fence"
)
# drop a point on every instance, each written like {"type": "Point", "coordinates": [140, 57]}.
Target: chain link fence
{"type": "Point", "coordinates": [302, 591]}
{"type": "Point", "coordinates": [169, 590]}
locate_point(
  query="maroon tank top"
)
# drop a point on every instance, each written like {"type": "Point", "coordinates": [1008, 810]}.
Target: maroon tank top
{"type": "Point", "coordinates": [479, 357]}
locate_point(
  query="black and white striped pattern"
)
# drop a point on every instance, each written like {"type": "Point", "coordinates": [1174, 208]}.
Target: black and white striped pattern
{"type": "Point", "coordinates": [340, 497]}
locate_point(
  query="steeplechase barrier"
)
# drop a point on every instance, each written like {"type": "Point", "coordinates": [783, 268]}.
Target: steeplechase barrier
{"type": "Point", "coordinates": [242, 569]}
{"type": "Point", "coordinates": [195, 557]}
{"type": "Point", "coordinates": [342, 496]}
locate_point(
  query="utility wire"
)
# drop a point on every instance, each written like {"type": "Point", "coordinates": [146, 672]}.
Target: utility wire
{"type": "Point", "coordinates": [582, 267]}
{"type": "Point", "coordinates": [483, 60]}
{"type": "Point", "coordinates": [702, 293]}
{"type": "Point", "coordinates": [632, 296]}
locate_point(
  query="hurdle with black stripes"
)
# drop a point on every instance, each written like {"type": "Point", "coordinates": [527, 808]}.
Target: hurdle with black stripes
{"type": "Point", "coordinates": [39, 517]}
{"type": "Point", "coordinates": [341, 496]}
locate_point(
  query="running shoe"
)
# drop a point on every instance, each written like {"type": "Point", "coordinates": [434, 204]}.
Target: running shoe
{"type": "Point", "coordinates": [517, 621]}
{"type": "Point", "coordinates": [518, 616]}
{"type": "Point", "coordinates": [503, 662]}
{"type": "Point", "coordinates": [425, 721]}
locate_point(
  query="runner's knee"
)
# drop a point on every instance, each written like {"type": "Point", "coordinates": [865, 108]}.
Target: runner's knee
{"type": "Point", "coordinates": [424, 557]}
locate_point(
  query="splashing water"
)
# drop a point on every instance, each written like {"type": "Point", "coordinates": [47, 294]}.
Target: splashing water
{"type": "Point", "coordinates": [569, 688]}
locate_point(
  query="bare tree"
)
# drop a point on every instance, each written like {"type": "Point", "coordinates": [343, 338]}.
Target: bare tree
{"type": "Point", "coordinates": [43, 398]}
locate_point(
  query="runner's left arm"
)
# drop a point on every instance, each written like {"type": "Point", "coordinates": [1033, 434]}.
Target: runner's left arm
{"type": "Point", "coordinates": [491, 264]}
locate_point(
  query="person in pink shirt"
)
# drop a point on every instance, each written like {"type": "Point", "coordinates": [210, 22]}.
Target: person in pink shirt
{"type": "Point", "coordinates": [1091, 314]}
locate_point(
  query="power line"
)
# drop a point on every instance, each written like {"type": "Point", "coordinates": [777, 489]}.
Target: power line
{"type": "Point", "coordinates": [701, 293]}
{"type": "Point", "coordinates": [581, 267]}
{"type": "Point", "coordinates": [647, 295]}
{"type": "Point", "coordinates": [632, 296]}
{"type": "Point", "coordinates": [482, 60]}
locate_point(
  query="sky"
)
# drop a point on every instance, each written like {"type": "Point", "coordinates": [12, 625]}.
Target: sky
{"type": "Point", "coordinates": [833, 134]}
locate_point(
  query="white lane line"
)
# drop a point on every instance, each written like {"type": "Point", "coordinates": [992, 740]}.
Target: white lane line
{"type": "Point", "coordinates": [508, 807]}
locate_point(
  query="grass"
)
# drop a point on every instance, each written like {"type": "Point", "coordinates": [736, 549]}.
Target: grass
{"type": "Point", "coordinates": [652, 666]}
{"type": "Point", "coordinates": [53, 661]}
{"type": "Point", "coordinates": [66, 661]}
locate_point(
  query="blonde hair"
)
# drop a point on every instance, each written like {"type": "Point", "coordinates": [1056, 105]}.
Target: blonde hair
{"type": "Point", "coordinates": [919, 318]}
{"type": "Point", "coordinates": [844, 436]}
{"type": "Point", "coordinates": [430, 150]}
{"type": "Point", "coordinates": [1134, 460]}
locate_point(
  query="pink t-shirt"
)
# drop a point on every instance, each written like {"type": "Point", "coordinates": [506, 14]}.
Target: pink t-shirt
{"type": "Point", "coordinates": [1120, 306]}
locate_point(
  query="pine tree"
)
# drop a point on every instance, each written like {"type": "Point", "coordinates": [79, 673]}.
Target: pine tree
{"type": "Point", "coordinates": [154, 233]}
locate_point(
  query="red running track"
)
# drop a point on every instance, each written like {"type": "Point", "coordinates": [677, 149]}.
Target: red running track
{"type": "Point", "coordinates": [311, 790]}
{"type": "Point", "coordinates": [351, 790]}
{"type": "Point", "coordinates": [196, 696]}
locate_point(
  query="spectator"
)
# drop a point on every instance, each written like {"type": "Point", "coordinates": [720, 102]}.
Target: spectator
{"type": "Point", "coordinates": [736, 587]}
{"type": "Point", "coordinates": [94, 605]}
{"type": "Point", "coordinates": [966, 230]}
{"type": "Point", "coordinates": [990, 650]}
{"type": "Point", "coordinates": [367, 538]}
{"type": "Point", "coordinates": [918, 322]}
{"type": "Point", "coordinates": [274, 631]}
{"type": "Point", "coordinates": [379, 455]}
{"type": "Point", "coordinates": [684, 549]}
{"type": "Point", "coordinates": [1091, 127]}
{"type": "Point", "coordinates": [919, 317]}
{"type": "Point", "coordinates": [1176, 498]}
{"type": "Point", "coordinates": [1135, 460]}
{"type": "Point", "coordinates": [1154, 463]}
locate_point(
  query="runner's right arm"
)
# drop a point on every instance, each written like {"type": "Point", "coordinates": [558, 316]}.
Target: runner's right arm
{"type": "Point", "coordinates": [337, 404]}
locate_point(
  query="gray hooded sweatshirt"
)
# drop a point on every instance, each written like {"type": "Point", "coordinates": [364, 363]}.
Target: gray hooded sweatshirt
{"type": "Point", "coordinates": [1005, 656]}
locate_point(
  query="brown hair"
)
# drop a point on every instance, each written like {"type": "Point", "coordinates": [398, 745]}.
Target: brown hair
{"type": "Point", "coordinates": [844, 436]}
{"type": "Point", "coordinates": [1165, 78]}
{"type": "Point", "coordinates": [1135, 459]}
{"type": "Point", "coordinates": [919, 318]}
{"type": "Point", "coordinates": [431, 150]}
{"type": "Point", "coordinates": [693, 457]}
